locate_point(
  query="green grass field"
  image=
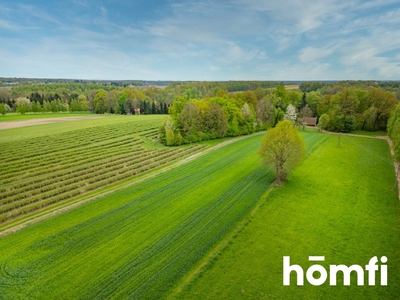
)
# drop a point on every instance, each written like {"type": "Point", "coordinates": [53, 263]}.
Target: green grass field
{"type": "Point", "coordinates": [141, 241]}
{"type": "Point", "coordinates": [340, 204]}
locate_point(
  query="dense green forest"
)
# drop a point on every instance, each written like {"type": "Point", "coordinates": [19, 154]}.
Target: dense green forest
{"type": "Point", "coordinates": [120, 97]}
{"type": "Point", "coordinates": [350, 105]}
{"type": "Point", "coordinates": [340, 107]}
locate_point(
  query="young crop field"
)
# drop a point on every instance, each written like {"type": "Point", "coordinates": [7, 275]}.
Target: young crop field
{"type": "Point", "coordinates": [41, 171]}
{"type": "Point", "coordinates": [340, 204]}
{"type": "Point", "coordinates": [139, 242]}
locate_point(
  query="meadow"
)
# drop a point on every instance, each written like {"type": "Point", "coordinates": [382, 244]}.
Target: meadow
{"type": "Point", "coordinates": [340, 203]}
{"type": "Point", "coordinates": [39, 171]}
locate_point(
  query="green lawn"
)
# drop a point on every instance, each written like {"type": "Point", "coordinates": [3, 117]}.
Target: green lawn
{"type": "Point", "coordinates": [340, 204]}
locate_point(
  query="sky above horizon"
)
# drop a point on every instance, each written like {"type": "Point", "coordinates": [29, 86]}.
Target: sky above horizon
{"type": "Point", "coordinates": [201, 40]}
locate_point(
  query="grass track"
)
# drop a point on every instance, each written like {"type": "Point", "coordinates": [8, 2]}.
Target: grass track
{"type": "Point", "coordinates": [339, 203]}
{"type": "Point", "coordinates": [137, 243]}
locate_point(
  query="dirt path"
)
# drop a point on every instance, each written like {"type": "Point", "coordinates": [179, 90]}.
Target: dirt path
{"type": "Point", "coordinates": [32, 122]}
{"type": "Point", "coordinates": [61, 209]}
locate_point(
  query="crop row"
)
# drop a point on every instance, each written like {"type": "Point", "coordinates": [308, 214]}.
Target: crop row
{"type": "Point", "coordinates": [48, 147]}
{"type": "Point", "coordinates": [77, 138]}
{"type": "Point", "coordinates": [67, 173]}
{"type": "Point", "coordinates": [62, 160]}
{"type": "Point", "coordinates": [41, 183]}
{"type": "Point", "coordinates": [91, 181]}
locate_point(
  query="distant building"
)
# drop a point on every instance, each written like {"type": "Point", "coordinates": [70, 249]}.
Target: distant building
{"type": "Point", "coordinates": [308, 121]}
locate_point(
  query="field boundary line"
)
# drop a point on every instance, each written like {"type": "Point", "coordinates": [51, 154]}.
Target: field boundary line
{"type": "Point", "coordinates": [220, 246]}
{"type": "Point", "coordinates": [48, 213]}
{"type": "Point", "coordinates": [396, 165]}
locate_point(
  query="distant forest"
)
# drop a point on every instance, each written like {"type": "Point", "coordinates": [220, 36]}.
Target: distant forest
{"type": "Point", "coordinates": [240, 106]}
{"type": "Point", "coordinates": [119, 97]}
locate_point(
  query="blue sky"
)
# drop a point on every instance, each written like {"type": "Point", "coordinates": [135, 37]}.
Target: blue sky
{"type": "Point", "coordinates": [201, 40]}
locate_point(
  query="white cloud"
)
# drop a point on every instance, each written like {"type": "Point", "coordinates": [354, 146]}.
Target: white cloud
{"type": "Point", "coordinates": [249, 39]}
{"type": "Point", "coordinates": [309, 54]}
{"type": "Point", "coordinates": [9, 25]}
{"type": "Point", "coordinates": [370, 53]}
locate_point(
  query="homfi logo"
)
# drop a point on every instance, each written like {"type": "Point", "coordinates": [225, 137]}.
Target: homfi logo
{"type": "Point", "coordinates": [371, 268]}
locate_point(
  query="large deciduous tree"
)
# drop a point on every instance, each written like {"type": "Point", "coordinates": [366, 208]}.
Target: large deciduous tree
{"type": "Point", "coordinates": [3, 109]}
{"type": "Point", "coordinates": [23, 105]}
{"type": "Point", "coordinates": [214, 121]}
{"type": "Point", "coordinates": [265, 113]}
{"type": "Point", "coordinates": [100, 101]}
{"type": "Point", "coordinates": [323, 122]}
{"type": "Point", "coordinates": [83, 103]}
{"type": "Point", "coordinates": [189, 122]}
{"type": "Point", "coordinates": [282, 148]}
{"type": "Point", "coordinates": [291, 114]}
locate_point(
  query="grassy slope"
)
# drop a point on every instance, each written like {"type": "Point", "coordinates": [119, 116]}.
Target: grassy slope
{"type": "Point", "coordinates": [340, 204]}
{"type": "Point", "coordinates": [17, 134]}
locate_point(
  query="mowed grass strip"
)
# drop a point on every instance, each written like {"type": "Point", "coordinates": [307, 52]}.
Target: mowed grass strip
{"type": "Point", "coordinates": [139, 242]}
{"type": "Point", "coordinates": [340, 204]}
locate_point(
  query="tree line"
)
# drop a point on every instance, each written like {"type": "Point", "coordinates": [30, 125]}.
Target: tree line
{"type": "Point", "coordinates": [137, 95]}
{"type": "Point", "coordinates": [235, 113]}
{"type": "Point", "coordinates": [128, 101]}
{"type": "Point", "coordinates": [394, 131]}
{"type": "Point", "coordinates": [339, 106]}
{"type": "Point", "coordinates": [226, 114]}
{"type": "Point", "coordinates": [351, 105]}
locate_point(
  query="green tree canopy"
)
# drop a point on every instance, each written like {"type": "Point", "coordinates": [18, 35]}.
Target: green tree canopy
{"type": "Point", "coordinates": [3, 109]}
{"type": "Point", "coordinates": [282, 148]}
{"type": "Point", "coordinates": [323, 121]}
{"type": "Point", "coordinates": [100, 101]}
